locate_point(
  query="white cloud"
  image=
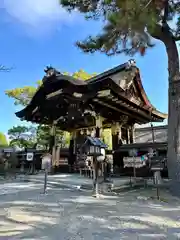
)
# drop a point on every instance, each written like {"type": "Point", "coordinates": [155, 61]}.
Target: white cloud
{"type": "Point", "coordinates": [37, 14]}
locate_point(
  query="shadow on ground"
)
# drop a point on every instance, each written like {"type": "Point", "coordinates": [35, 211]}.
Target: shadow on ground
{"type": "Point", "coordinates": [72, 214]}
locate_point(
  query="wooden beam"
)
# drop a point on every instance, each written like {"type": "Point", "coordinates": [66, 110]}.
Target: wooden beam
{"type": "Point", "coordinates": [53, 94]}
{"type": "Point", "coordinates": [104, 93]}
{"type": "Point", "coordinates": [134, 109]}
{"type": "Point", "coordinates": [116, 109]}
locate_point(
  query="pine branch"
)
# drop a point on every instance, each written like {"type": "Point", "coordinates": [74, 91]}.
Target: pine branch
{"type": "Point", "coordinates": [177, 38]}
{"type": "Point", "coordinates": [4, 68]}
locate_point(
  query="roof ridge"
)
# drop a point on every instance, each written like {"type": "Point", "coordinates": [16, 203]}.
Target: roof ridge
{"type": "Point", "coordinates": [127, 65]}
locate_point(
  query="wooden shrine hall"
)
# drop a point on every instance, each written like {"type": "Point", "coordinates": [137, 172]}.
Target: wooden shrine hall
{"type": "Point", "coordinates": [114, 99]}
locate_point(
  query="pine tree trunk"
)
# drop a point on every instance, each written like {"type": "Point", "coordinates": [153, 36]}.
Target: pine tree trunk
{"type": "Point", "coordinates": [173, 155]}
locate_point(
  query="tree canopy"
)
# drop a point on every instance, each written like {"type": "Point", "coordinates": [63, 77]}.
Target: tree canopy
{"type": "Point", "coordinates": [22, 136]}
{"type": "Point", "coordinates": [128, 25]}
{"type": "Point", "coordinates": [43, 137]}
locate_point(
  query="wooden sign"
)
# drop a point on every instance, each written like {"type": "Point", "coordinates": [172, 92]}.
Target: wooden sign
{"type": "Point", "coordinates": [46, 162]}
{"type": "Point", "coordinates": [133, 162]}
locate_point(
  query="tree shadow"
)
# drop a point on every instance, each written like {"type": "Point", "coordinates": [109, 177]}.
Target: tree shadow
{"type": "Point", "coordinates": [76, 215]}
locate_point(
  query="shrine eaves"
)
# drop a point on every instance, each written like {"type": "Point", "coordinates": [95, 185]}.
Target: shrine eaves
{"type": "Point", "coordinates": [116, 95]}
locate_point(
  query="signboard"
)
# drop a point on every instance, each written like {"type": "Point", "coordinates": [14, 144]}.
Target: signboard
{"type": "Point", "coordinates": [157, 163]}
{"type": "Point", "coordinates": [133, 162]}
{"type": "Point", "coordinates": [8, 150]}
{"type": "Point", "coordinates": [29, 156]}
{"type": "Point", "coordinates": [46, 162]}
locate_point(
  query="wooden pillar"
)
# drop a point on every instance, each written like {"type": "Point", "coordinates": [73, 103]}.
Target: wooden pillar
{"type": "Point", "coordinates": [72, 151]}
{"type": "Point", "coordinates": [131, 134]}
{"type": "Point", "coordinates": [96, 164]}
{"type": "Point", "coordinates": [52, 146]}
{"type": "Point", "coordinates": [52, 137]}
{"type": "Point", "coordinates": [57, 154]}
{"type": "Point", "coordinates": [128, 135]}
{"type": "Point", "coordinates": [98, 133]}
{"type": "Point", "coordinates": [116, 142]}
{"type": "Point", "coordinates": [116, 135]}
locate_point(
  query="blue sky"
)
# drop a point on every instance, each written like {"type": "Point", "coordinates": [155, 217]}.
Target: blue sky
{"type": "Point", "coordinates": [36, 33]}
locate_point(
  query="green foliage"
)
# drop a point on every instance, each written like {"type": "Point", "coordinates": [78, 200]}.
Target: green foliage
{"type": "Point", "coordinates": [43, 137]}
{"type": "Point", "coordinates": [3, 140]}
{"type": "Point", "coordinates": [128, 25]}
{"type": "Point", "coordinates": [22, 96]}
{"type": "Point", "coordinates": [81, 74]}
{"type": "Point", "coordinates": [22, 136]}
{"type": "Point", "coordinates": [16, 132]}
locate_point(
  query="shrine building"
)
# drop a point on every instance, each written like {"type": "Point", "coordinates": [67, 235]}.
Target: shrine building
{"type": "Point", "coordinates": [113, 99]}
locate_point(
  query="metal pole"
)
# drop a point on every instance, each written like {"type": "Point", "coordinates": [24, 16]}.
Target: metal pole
{"type": "Point", "coordinates": [134, 168]}
{"type": "Point", "coordinates": [97, 178]}
{"type": "Point", "coordinates": [45, 180]}
{"type": "Point", "coordinates": [152, 129]}
{"type": "Point", "coordinates": [157, 188]}
{"type": "Point", "coordinates": [94, 179]}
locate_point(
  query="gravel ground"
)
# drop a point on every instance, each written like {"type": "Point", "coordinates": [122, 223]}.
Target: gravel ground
{"type": "Point", "coordinates": [68, 213]}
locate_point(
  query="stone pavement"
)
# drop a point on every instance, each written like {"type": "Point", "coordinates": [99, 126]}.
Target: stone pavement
{"type": "Point", "coordinates": [69, 213]}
